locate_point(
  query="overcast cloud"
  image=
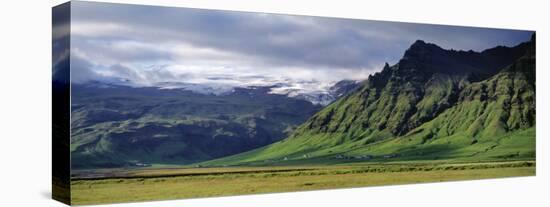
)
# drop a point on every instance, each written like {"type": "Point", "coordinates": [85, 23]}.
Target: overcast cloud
{"type": "Point", "coordinates": [147, 45]}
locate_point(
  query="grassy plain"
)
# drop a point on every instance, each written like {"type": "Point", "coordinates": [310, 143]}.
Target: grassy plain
{"type": "Point", "coordinates": [176, 183]}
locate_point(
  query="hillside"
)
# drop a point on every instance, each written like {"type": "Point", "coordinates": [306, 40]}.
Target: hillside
{"type": "Point", "coordinates": [432, 104]}
{"type": "Point", "coordinates": [117, 126]}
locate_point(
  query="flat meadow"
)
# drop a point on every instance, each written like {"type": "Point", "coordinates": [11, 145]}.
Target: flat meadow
{"type": "Point", "coordinates": [148, 184]}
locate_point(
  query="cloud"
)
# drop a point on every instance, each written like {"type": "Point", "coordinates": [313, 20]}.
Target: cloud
{"type": "Point", "coordinates": [150, 44]}
{"type": "Point", "coordinates": [82, 70]}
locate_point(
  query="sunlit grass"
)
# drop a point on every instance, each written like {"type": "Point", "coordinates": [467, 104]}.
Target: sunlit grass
{"type": "Point", "coordinates": [159, 184]}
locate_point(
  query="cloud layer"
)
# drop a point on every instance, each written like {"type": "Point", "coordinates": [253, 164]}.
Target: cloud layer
{"type": "Point", "coordinates": [148, 45]}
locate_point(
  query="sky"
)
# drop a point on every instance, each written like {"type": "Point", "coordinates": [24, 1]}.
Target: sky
{"type": "Point", "coordinates": [149, 46]}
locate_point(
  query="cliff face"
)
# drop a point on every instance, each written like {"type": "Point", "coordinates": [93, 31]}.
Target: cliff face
{"type": "Point", "coordinates": [426, 81]}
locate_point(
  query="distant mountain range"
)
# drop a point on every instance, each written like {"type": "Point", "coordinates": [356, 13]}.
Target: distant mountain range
{"type": "Point", "coordinates": [291, 88]}
{"type": "Point", "coordinates": [433, 104]}
{"type": "Point", "coordinates": [115, 124]}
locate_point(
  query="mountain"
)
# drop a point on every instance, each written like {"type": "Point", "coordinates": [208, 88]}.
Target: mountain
{"type": "Point", "coordinates": [433, 104]}
{"type": "Point", "coordinates": [116, 126]}
{"type": "Point", "coordinates": [344, 87]}
{"type": "Point", "coordinates": [208, 89]}
{"type": "Point", "coordinates": [302, 90]}
{"type": "Point", "coordinates": [325, 97]}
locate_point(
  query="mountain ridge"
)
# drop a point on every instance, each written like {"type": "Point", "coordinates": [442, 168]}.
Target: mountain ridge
{"type": "Point", "coordinates": [121, 126]}
{"type": "Point", "coordinates": [420, 106]}
{"type": "Point", "coordinates": [407, 83]}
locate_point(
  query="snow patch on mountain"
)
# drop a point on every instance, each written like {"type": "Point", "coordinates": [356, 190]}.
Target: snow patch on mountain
{"type": "Point", "coordinates": [314, 91]}
{"type": "Point", "coordinates": [208, 89]}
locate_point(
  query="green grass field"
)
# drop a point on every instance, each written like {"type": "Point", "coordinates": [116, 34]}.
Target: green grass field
{"type": "Point", "coordinates": [176, 183]}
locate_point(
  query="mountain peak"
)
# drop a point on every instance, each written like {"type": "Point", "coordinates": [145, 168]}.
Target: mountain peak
{"type": "Point", "coordinates": [386, 66]}
{"type": "Point", "coordinates": [419, 42]}
{"type": "Point", "coordinates": [421, 46]}
{"type": "Point", "coordinates": [429, 58]}
{"type": "Point", "coordinates": [420, 50]}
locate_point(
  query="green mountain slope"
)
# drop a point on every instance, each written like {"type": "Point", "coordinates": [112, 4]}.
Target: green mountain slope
{"type": "Point", "coordinates": [433, 104]}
